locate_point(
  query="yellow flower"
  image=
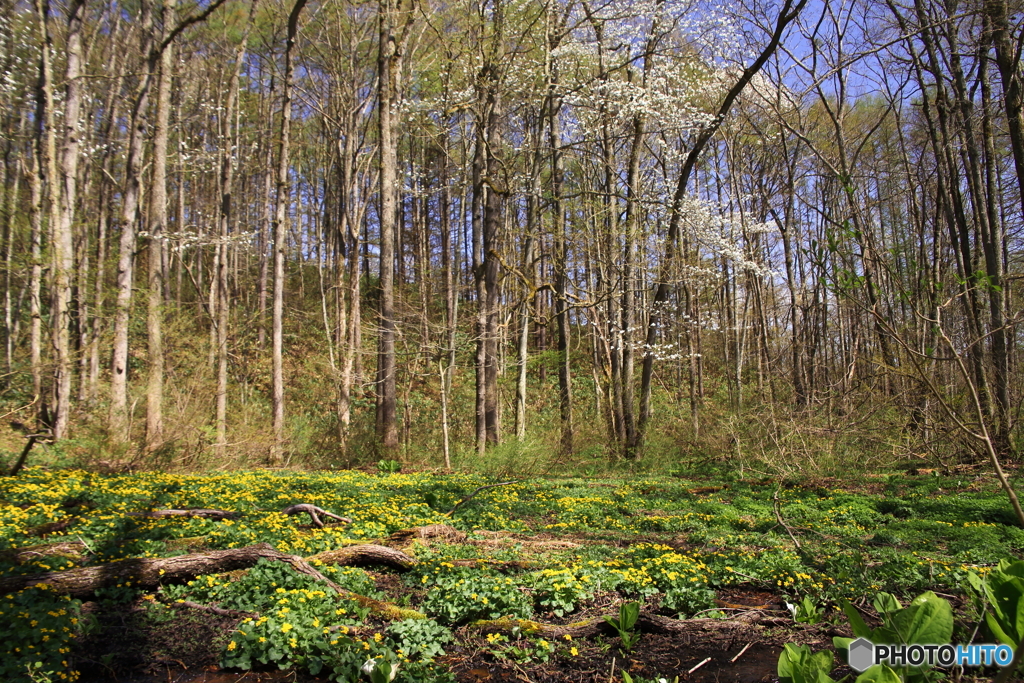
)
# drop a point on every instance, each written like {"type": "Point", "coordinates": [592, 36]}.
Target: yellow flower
{"type": "Point", "coordinates": [574, 652]}
{"type": "Point", "coordinates": [232, 645]}
{"type": "Point", "coordinates": [285, 627]}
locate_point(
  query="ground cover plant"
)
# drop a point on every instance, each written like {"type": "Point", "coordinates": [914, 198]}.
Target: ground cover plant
{"type": "Point", "coordinates": [567, 579]}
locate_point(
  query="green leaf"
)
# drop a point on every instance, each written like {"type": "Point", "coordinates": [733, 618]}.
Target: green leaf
{"type": "Point", "coordinates": [842, 645]}
{"type": "Point", "coordinates": [885, 603]}
{"type": "Point", "coordinates": [629, 612]}
{"type": "Point", "coordinates": [879, 673]}
{"type": "Point", "coordinates": [797, 664]}
{"type": "Point", "coordinates": [927, 620]}
{"type": "Point", "coordinates": [1004, 589]}
{"type": "Point", "coordinates": [860, 629]}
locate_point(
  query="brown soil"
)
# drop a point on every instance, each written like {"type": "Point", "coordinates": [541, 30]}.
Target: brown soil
{"type": "Point", "coordinates": [138, 643]}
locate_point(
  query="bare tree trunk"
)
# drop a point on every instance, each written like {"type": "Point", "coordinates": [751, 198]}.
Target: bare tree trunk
{"type": "Point", "coordinates": [280, 237]}
{"type": "Point", "coordinates": [788, 13]}
{"type": "Point", "coordinates": [36, 273]}
{"type": "Point", "coordinates": [265, 234]}
{"type": "Point", "coordinates": [394, 38]}
{"type": "Point", "coordinates": [227, 177]}
{"type": "Point", "coordinates": [493, 227]}
{"type": "Point", "coordinates": [561, 280]}
{"type": "Point", "coordinates": [13, 186]}
{"type": "Point", "coordinates": [118, 423]}
{"type": "Point", "coordinates": [44, 178]}
{"type": "Point", "coordinates": [157, 228]}
{"type": "Point", "coordinates": [450, 265]}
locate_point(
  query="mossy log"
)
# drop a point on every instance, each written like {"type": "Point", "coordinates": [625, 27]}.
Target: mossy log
{"type": "Point", "coordinates": [366, 555]}
{"type": "Point", "coordinates": [441, 532]}
{"type": "Point", "coordinates": [149, 573]}
{"type": "Point", "coordinates": [75, 551]}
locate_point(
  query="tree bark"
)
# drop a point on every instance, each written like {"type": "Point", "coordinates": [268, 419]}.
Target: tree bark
{"type": "Point", "coordinates": [280, 238]}
{"type": "Point", "coordinates": [148, 573]}
{"type": "Point", "coordinates": [157, 228]}
{"type": "Point", "coordinates": [118, 421]}
{"type": "Point", "coordinates": [63, 245]}
{"type": "Point", "coordinates": [394, 38]}
{"type": "Point", "coordinates": [227, 179]}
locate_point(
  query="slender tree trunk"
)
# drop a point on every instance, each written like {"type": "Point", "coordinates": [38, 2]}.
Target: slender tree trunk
{"type": "Point", "coordinates": [561, 279]}
{"type": "Point", "coordinates": [395, 25]}
{"type": "Point", "coordinates": [227, 178]}
{"type": "Point", "coordinates": [13, 187]}
{"type": "Point", "coordinates": [157, 229]}
{"type": "Point", "coordinates": [280, 237]}
{"type": "Point", "coordinates": [789, 12]}
{"type": "Point", "coordinates": [267, 234]}
{"type": "Point", "coordinates": [118, 423]}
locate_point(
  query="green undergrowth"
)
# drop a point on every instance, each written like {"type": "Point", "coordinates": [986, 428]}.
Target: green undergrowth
{"type": "Point", "coordinates": [544, 550]}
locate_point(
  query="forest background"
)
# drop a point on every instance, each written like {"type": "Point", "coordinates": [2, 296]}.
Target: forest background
{"type": "Point", "coordinates": [561, 234]}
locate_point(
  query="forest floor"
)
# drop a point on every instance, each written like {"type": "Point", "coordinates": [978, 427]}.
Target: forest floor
{"type": "Point", "coordinates": [724, 572]}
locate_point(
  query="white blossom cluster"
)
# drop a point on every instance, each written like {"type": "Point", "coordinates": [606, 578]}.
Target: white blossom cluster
{"type": "Point", "coordinates": [183, 240]}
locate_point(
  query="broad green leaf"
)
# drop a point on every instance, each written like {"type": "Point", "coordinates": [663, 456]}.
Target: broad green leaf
{"type": "Point", "coordinates": [797, 664]}
{"type": "Point", "coordinates": [879, 673]}
{"type": "Point", "coordinates": [628, 614]}
{"type": "Point", "coordinates": [996, 626]}
{"type": "Point", "coordinates": [926, 620]}
{"type": "Point", "coordinates": [1011, 568]}
{"type": "Point", "coordinates": [1004, 588]}
{"type": "Point", "coordinates": [841, 643]}
{"type": "Point", "coordinates": [860, 629]}
{"type": "Point", "coordinates": [884, 603]}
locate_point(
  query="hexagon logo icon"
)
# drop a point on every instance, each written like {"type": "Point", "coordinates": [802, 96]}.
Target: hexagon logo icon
{"type": "Point", "coordinates": [862, 654]}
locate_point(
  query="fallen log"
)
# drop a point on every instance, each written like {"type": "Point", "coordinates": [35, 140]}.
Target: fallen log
{"type": "Point", "coordinates": [366, 555]}
{"type": "Point", "coordinates": [153, 572]}
{"type": "Point", "coordinates": [75, 551]}
{"type": "Point", "coordinates": [44, 530]}
{"type": "Point", "coordinates": [313, 511]}
{"type": "Point", "coordinates": [443, 532]}
{"type": "Point", "coordinates": [208, 514]}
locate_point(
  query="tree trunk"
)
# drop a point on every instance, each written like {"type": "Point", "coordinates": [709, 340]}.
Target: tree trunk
{"type": "Point", "coordinates": [118, 422]}
{"type": "Point", "coordinates": [227, 178]}
{"type": "Point", "coordinates": [149, 573]}
{"type": "Point", "coordinates": [394, 38]}
{"type": "Point", "coordinates": [157, 228]}
{"type": "Point", "coordinates": [280, 237]}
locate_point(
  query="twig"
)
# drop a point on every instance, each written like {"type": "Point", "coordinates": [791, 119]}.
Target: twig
{"type": "Point", "coordinates": [213, 609]}
{"type": "Point", "coordinates": [611, 674]}
{"type": "Point", "coordinates": [706, 660]}
{"type": "Point", "coordinates": [740, 653]}
{"type": "Point", "coordinates": [478, 490]}
{"type": "Point", "coordinates": [778, 516]}
{"type": "Point", "coordinates": [313, 511]}
{"type": "Point", "coordinates": [725, 609]}
{"type": "Point", "coordinates": [32, 438]}
{"type": "Point", "coordinates": [87, 546]}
